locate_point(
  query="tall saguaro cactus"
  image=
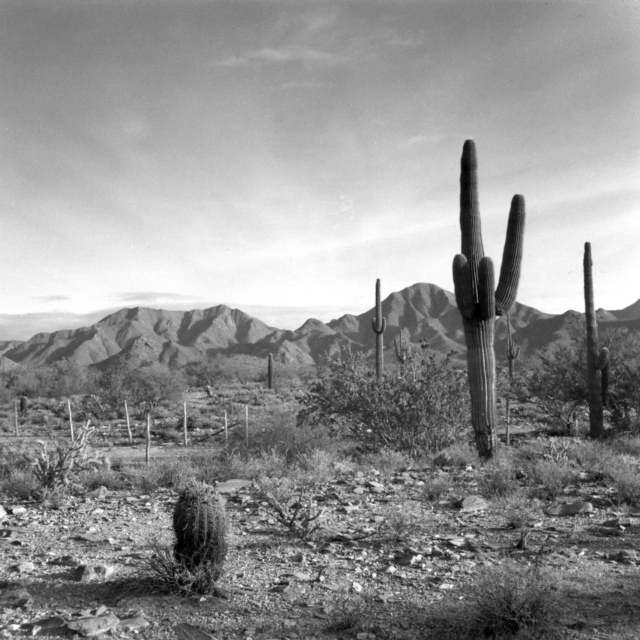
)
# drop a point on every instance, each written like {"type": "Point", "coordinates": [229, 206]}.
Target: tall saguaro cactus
{"type": "Point", "coordinates": [597, 361]}
{"type": "Point", "coordinates": [479, 301]}
{"type": "Point", "coordinates": [379, 325]}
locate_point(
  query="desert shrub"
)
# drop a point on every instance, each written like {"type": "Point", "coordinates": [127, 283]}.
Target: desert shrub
{"type": "Point", "coordinates": [437, 487]}
{"type": "Point", "coordinates": [424, 410]}
{"type": "Point", "coordinates": [103, 477]}
{"type": "Point", "coordinates": [555, 381]}
{"type": "Point", "coordinates": [458, 456]}
{"type": "Point", "coordinates": [512, 599]}
{"type": "Point", "coordinates": [279, 431]}
{"type": "Point", "coordinates": [387, 461]}
{"type": "Point", "coordinates": [19, 484]}
{"type": "Point", "coordinates": [497, 478]}
{"type": "Point", "coordinates": [549, 478]}
{"type": "Point", "coordinates": [505, 601]}
{"type": "Point", "coordinates": [57, 466]}
{"type": "Point", "coordinates": [623, 399]}
{"type": "Point", "coordinates": [402, 523]}
{"type": "Point", "coordinates": [625, 478]}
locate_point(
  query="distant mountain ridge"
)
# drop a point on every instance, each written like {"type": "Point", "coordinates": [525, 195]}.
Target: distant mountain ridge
{"type": "Point", "coordinates": [421, 312]}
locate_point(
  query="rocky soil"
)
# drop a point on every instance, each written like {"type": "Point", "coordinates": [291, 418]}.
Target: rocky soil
{"type": "Point", "coordinates": [384, 561]}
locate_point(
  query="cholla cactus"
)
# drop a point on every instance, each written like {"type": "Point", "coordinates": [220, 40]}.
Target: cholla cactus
{"type": "Point", "coordinates": [478, 299]}
{"type": "Point", "coordinates": [56, 467]}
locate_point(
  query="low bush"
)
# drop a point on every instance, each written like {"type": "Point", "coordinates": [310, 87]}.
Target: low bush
{"type": "Point", "coordinates": [423, 410]}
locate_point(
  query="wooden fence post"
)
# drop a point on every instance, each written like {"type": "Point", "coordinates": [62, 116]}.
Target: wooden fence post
{"type": "Point", "coordinates": [126, 413]}
{"type": "Point", "coordinates": [16, 416]}
{"type": "Point", "coordinates": [184, 425]}
{"type": "Point", "coordinates": [70, 419]}
{"type": "Point", "coordinates": [148, 447]}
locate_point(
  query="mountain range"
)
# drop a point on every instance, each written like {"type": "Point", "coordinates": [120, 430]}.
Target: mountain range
{"type": "Point", "coordinates": [421, 312]}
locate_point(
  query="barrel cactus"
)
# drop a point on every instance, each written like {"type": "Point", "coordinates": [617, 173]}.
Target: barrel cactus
{"type": "Point", "coordinates": [200, 527]}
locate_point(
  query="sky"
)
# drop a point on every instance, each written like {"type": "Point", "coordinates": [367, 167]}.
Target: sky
{"type": "Point", "coordinates": [279, 156]}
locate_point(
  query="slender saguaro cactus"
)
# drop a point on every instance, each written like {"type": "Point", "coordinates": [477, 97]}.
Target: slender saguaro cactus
{"type": "Point", "coordinates": [270, 372]}
{"type": "Point", "coordinates": [597, 361]}
{"type": "Point", "coordinates": [402, 351]}
{"type": "Point", "coordinates": [512, 353]}
{"type": "Point", "coordinates": [478, 300]}
{"type": "Point", "coordinates": [379, 325]}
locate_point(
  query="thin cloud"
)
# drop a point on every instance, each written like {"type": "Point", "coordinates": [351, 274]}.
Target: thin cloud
{"type": "Point", "coordinates": [154, 296]}
{"type": "Point", "coordinates": [285, 55]}
{"type": "Point", "coordinates": [53, 298]}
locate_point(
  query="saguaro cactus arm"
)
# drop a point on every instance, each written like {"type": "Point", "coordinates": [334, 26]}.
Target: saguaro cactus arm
{"type": "Point", "coordinates": [511, 257]}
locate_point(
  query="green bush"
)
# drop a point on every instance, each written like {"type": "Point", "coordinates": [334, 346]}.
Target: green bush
{"type": "Point", "coordinates": [423, 410]}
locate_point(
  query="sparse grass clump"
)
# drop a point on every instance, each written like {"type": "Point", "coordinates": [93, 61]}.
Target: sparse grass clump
{"type": "Point", "coordinates": [457, 456]}
{"type": "Point", "coordinates": [497, 478]}
{"type": "Point", "coordinates": [505, 601]}
{"type": "Point", "coordinates": [625, 478]}
{"type": "Point", "coordinates": [437, 487]}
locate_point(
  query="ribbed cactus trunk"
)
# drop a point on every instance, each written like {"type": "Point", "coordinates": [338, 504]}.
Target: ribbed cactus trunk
{"type": "Point", "coordinates": [270, 372]}
{"type": "Point", "coordinates": [379, 325]}
{"type": "Point", "coordinates": [478, 300]}
{"type": "Point", "coordinates": [597, 361]}
{"type": "Point", "coordinates": [512, 353]}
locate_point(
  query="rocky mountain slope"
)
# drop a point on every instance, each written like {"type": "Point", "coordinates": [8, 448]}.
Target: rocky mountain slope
{"type": "Point", "coordinates": [421, 312]}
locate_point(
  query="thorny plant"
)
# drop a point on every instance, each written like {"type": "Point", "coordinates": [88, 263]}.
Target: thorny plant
{"type": "Point", "coordinates": [295, 510]}
{"type": "Point", "coordinates": [56, 468]}
{"type": "Point", "coordinates": [555, 449]}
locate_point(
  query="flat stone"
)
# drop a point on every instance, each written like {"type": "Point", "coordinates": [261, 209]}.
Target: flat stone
{"type": "Point", "coordinates": [232, 486]}
{"type": "Point", "coordinates": [41, 627]}
{"type": "Point", "coordinates": [15, 596]}
{"type": "Point", "coordinates": [186, 631]}
{"type": "Point", "coordinates": [91, 573]}
{"type": "Point", "coordinates": [25, 567]}
{"type": "Point", "coordinates": [473, 504]}
{"type": "Point", "coordinates": [18, 511]}
{"type": "Point", "coordinates": [94, 625]}
{"type": "Point", "coordinates": [132, 624]}
{"type": "Point", "coordinates": [571, 508]}
{"type": "Point", "coordinates": [3, 513]}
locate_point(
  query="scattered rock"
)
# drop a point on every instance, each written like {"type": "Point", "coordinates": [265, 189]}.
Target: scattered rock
{"type": "Point", "coordinates": [24, 567]}
{"type": "Point", "coordinates": [186, 631]}
{"type": "Point", "coordinates": [473, 504]}
{"type": "Point", "coordinates": [91, 573]}
{"type": "Point", "coordinates": [92, 626]}
{"type": "Point", "coordinates": [133, 624]}
{"type": "Point", "coordinates": [3, 513]}
{"type": "Point", "coordinates": [232, 486]}
{"type": "Point", "coordinates": [17, 511]}
{"type": "Point", "coordinates": [571, 508]}
{"type": "Point", "coordinates": [14, 596]}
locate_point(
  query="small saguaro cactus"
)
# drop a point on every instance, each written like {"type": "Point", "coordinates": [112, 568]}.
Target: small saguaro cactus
{"type": "Point", "coordinates": [479, 301]}
{"type": "Point", "coordinates": [270, 372]}
{"type": "Point", "coordinates": [200, 527]}
{"type": "Point", "coordinates": [513, 352]}
{"type": "Point", "coordinates": [597, 361]}
{"type": "Point", "coordinates": [379, 325]}
{"type": "Point", "coordinates": [402, 351]}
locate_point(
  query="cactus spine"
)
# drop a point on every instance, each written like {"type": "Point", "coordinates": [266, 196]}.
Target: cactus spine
{"type": "Point", "coordinates": [512, 353]}
{"type": "Point", "coordinates": [379, 325]}
{"type": "Point", "coordinates": [597, 361]}
{"type": "Point", "coordinates": [478, 300]}
{"type": "Point", "coordinates": [200, 527]}
{"type": "Point", "coordinates": [270, 372]}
